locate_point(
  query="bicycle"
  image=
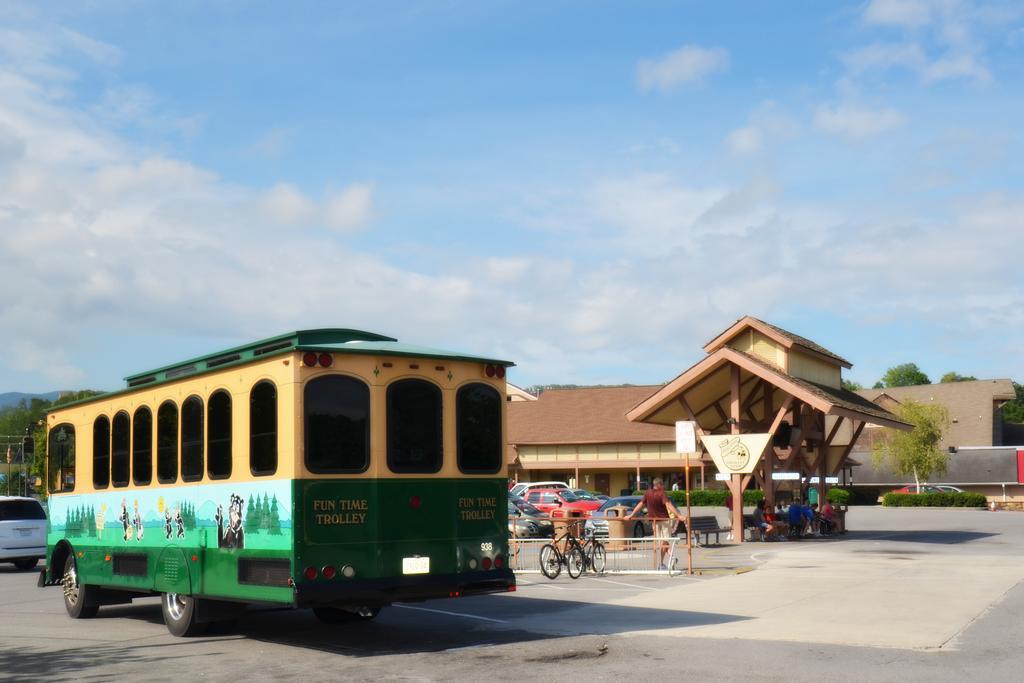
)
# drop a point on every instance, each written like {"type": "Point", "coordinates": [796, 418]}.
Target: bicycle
{"type": "Point", "coordinates": [552, 559]}
{"type": "Point", "coordinates": [594, 555]}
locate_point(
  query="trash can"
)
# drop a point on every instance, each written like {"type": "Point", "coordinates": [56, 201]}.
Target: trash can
{"type": "Point", "coordinates": [563, 519]}
{"type": "Point", "coordinates": [840, 519]}
{"type": "Point", "coordinates": [617, 526]}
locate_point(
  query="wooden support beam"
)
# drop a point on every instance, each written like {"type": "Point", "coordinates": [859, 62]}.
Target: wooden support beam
{"type": "Point", "coordinates": [688, 411]}
{"type": "Point", "coordinates": [835, 429]}
{"type": "Point", "coordinates": [721, 412]}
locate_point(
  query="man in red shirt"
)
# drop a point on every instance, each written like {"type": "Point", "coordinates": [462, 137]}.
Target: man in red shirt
{"type": "Point", "coordinates": [662, 514]}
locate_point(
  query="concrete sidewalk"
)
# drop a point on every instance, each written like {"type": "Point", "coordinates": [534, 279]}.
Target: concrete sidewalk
{"type": "Point", "coordinates": [910, 579]}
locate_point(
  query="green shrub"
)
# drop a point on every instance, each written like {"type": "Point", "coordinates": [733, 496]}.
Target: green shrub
{"type": "Point", "coordinates": [970, 500]}
{"type": "Point", "coordinates": [713, 497]}
{"type": "Point", "coordinates": [839, 496]}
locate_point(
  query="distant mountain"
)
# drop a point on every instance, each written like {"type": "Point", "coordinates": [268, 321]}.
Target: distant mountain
{"type": "Point", "coordinates": [12, 398]}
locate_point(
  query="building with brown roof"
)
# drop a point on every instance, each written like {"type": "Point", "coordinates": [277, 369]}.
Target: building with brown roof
{"type": "Point", "coordinates": [583, 435]}
{"type": "Point", "coordinates": [985, 454]}
{"type": "Point", "coordinates": [756, 378]}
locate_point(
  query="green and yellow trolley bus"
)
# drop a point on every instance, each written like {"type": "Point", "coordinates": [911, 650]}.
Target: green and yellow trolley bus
{"type": "Point", "coordinates": [330, 469]}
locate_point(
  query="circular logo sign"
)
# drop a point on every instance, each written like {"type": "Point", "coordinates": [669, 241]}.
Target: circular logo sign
{"type": "Point", "coordinates": [735, 454]}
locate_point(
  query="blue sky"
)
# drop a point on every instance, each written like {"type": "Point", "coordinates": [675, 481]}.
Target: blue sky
{"type": "Point", "coordinates": [592, 190]}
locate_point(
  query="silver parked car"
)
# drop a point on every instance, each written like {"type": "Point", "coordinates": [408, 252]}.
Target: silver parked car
{"type": "Point", "coordinates": [22, 531]}
{"type": "Point", "coordinates": [526, 521]}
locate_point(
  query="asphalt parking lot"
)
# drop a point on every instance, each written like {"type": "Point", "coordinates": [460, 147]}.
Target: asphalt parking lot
{"type": "Point", "coordinates": [910, 594]}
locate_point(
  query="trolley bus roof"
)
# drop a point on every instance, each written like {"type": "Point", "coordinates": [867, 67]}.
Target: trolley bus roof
{"type": "Point", "coordinates": [337, 340]}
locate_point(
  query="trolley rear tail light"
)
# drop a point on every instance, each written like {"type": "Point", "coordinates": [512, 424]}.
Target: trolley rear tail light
{"type": "Point", "coordinates": [309, 359]}
{"type": "Point", "coordinates": [415, 502]}
{"type": "Point", "coordinates": [499, 562]}
{"type": "Point", "coordinates": [487, 563]}
{"type": "Point", "coordinates": [499, 371]}
{"type": "Point", "coordinates": [326, 360]}
{"type": "Point", "coordinates": [490, 370]}
{"type": "Point", "coordinates": [328, 572]}
{"type": "Point", "coordinates": [310, 573]}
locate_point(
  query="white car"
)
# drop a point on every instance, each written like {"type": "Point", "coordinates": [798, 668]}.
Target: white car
{"type": "Point", "coordinates": [22, 531]}
{"type": "Point", "coordinates": [521, 488]}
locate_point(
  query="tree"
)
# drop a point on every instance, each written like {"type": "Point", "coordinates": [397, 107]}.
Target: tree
{"type": "Point", "coordinates": [850, 385]}
{"type": "Point", "coordinates": [1014, 410]}
{"type": "Point", "coordinates": [275, 519]}
{"type": "Point", "coordinates": [915, 452]}
{"type": "Point", "coordinates": [955, 377]}
{"type": "Point", "coordinates": [878, 385]}
{"type": "Point", "coordinates": [904, 375]}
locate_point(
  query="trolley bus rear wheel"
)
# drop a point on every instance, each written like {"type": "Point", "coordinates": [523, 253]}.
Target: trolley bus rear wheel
{"type": "Point", "coordinates": [338, 615]}
{"type": "Point", "coordinates": [550, 564]}
{"type": "Point", "coordinates": [180, 614]}
{"type": "Point", "coordinates": [77, 596]}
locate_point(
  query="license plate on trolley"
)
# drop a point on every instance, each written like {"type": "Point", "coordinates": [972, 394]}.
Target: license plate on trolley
{"type": "Point", "coordinates": [415, 565]}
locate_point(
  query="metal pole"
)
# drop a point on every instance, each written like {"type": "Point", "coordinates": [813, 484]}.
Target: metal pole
{"type": "Point", "coordinates": [689, 541]}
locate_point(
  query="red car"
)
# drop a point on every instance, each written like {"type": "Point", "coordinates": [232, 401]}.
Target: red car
{"type": "Point", "coordinates": [912, 488]}
{"type": "Point", "coordinates": [549, 499]}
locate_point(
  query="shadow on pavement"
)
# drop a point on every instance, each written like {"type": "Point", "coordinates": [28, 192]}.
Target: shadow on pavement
{"type": "Point", "coordinates": [941, 537]}
{"type": "Point", "coordinates": [397, 631]}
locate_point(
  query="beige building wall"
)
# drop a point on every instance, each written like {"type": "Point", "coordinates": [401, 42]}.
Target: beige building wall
{"type": "Point", "coordinates": [812, 369]}
{"type": "Point", "coordinates": [753, 342]}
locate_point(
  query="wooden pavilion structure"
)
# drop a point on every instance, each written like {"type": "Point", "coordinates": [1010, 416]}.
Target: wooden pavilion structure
{"type": "Point", "coordinates": [761, 379]}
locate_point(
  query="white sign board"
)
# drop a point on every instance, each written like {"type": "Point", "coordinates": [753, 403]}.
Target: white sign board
{"type": "Point", "coordinates": [828, 480]}
{"type": "Point", "coordinates": [722, 476]}
{"type": "Point", "coordinates": [686, 436]}
{"type": "Point", "coordinates": [785, 476]}
{"type": "Point", "coordinates": [735, 453]}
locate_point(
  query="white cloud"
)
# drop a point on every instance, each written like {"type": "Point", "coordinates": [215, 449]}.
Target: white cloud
{"type": "Point", "coordinates": [273, 143]}
{"type": "Point", "coordinates": [688, 64]}
{"type": "Point", "coordinates": [768, 123]}
{"type": "Point", "coordinates": [349, 208]}
{"type": "Point", "coordinates": [856, 123]}
{"type": "Point", "coordinates": [903, 13]}
{"type": "Point", "coordinates": [284, 203]}
{"type": "Point", "coordinates": [942, 39]}
{"type": "Point", "coordinates": [746, 140]}
{"type": "Point", "coordinates": [963, 65]}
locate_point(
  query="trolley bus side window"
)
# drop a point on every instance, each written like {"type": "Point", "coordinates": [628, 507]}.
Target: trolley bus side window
{"type": "Point", "coordinates": [61, 454]}
{"type": "Point", "coordinates": [142, 447]}
{"type": "Point", "coordinates": [101, 452]}
{"type": "Point", "coordinates": [337, 429]}
{"type": "Point", "coordinates": [414, 426]}
{"type": "Point", "coordinates": [192, 439]}
{"type": "Point", "coordinates": [218, 435]}
{"type": "Point", "coordinates": [119, 449]}
{"type": "Point", "coordinates": [167, 443]}
{"type": "Point", "coordinates": [263, 429]}
{"type": "Point", "coordinates": [478, 429]}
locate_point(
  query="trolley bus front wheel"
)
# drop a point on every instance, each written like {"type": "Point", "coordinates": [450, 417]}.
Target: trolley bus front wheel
{"type": "Point", "coordinates": [337, 615]}
{"type": "Point", "coordinates": [78, 597]}
{"type": "Point", "coordinates": [180, 615]}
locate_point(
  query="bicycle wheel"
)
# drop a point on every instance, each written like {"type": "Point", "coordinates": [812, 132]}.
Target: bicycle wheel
{"type": "Point", "coordinates": [550, 561]}
{"type": "Point", "coordinates": [598, 557]}
{"type": "Point", "coordinates": [574, 561]}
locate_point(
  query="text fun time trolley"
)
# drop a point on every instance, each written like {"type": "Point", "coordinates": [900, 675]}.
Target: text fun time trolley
{"type": "Point", "coordinates": [332, 469]}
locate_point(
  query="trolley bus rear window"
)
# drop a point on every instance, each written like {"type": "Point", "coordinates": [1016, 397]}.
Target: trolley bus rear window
{"type": "Point", "coordinates": [414, 426]}
{"type": "Point", "coordinates": [478, 415]}
{"type": "Point", "coordinates": [337, 424]}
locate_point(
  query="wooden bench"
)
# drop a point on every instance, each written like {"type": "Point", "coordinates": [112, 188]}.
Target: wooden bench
{"type": "Point", "coordinates": [706, 525]}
